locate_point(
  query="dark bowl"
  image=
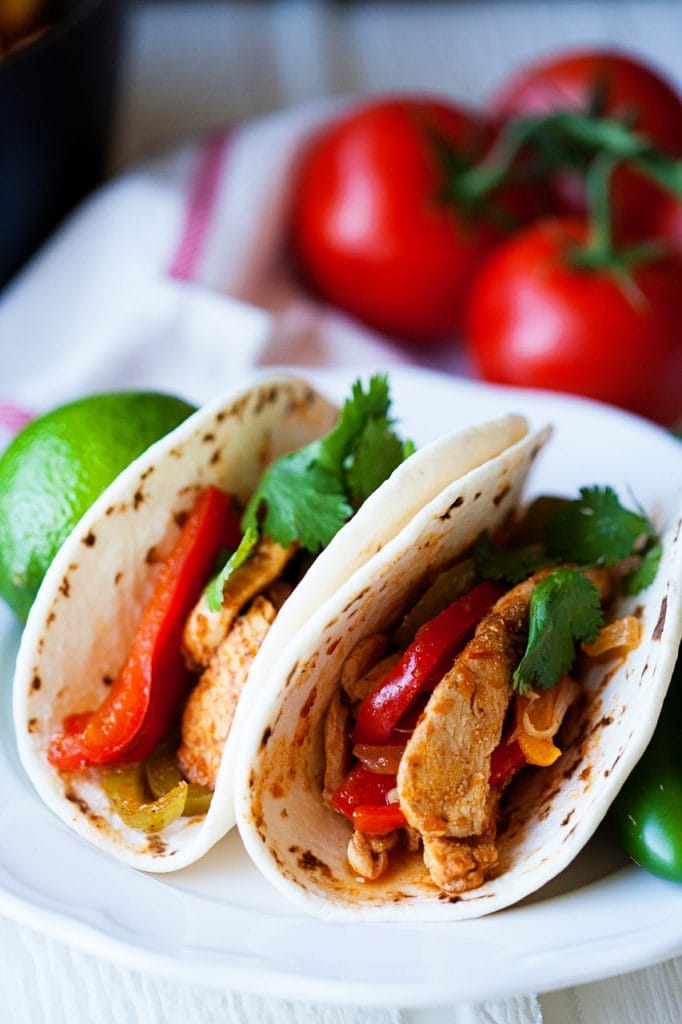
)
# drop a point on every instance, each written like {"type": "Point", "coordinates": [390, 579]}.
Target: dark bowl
{"type": "Point", "coordinates": [56, 108]}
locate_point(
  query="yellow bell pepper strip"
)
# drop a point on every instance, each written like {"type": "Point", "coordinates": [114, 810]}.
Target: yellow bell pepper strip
{"type": "Point", "coordinates": [164, 775]}
{"type": "Point", "coordinates": [124, 785]}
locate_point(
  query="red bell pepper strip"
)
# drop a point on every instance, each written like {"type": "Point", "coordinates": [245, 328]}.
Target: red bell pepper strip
{"type": "Point", "coordinates": [142, 701]}
{"type": "Point", "coordinates": [423, 663]}
{"type": "Point", "coordinates": [506, 760]}
{"type": "Point", "coordinates": [361, 797]}
{"type": "Point", "coordinates": [378, 820]}
{"type": "Point", "coordinates": [361, 786]}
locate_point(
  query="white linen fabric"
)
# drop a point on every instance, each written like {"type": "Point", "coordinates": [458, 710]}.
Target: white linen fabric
{"type": "Point", "coordinates": [175, 277]}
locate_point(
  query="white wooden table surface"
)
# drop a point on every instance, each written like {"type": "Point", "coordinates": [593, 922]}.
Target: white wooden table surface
{"type": "Point", "coordinates": [194, 66]}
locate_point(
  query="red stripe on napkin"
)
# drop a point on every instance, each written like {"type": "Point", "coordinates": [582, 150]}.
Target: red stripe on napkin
{"type": "Point", "coordinates": [13, 417]}
{"type": "Point", "coordinates": [200, 206]}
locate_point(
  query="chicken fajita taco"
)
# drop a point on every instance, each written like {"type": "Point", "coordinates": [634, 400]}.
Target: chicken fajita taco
{"type": "Point", "coordinates": [447, 733]}
{"type": "Point", "coordinates": [162, 613]}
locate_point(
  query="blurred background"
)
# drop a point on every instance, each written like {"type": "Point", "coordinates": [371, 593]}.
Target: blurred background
{"type": "Point", "coordinates": [89, 86]}
{"type": "Point", "coordinates": [191, 66]}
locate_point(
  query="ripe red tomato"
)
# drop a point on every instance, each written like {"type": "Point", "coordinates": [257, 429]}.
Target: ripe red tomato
{"type": "Point", "coordinates": [623, 88]}
{"type": "Point", "coordinates": [666, 223]}
{"type": "Point", "coordinates": [371, 229]}
{"type": "Point", "coordinates": [536, 321]}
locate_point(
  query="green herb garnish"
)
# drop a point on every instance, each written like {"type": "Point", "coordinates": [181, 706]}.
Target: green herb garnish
{"type": "Point", "coordinates": [596, 529]}
{"type": "Point", "coordinates": [308, 496]}
{"type": "Point", "coordinates": [564, 608]}
{"type": "Point", "coordinates": [214, 591]}
{"type": "Point", "coordinates": [645, 574]}
{"type": "Point", "coordinates": [511, 564]}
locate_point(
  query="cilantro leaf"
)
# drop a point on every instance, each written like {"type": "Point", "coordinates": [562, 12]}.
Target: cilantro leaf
{"type": "Point", "coordinates": [214, 591]}
{"type": "Point", "coordinates": [564, 608]}
{"type": "Point", "coordinates": [357, 411]}
{"type": "Point", "coordinates": [308, 495]}
{"type": "Point", "coordinates": [510, 564]}
{"type": "Point", "coordinates": [645, 573]}
{"type": "Point", "coordinates": [378, 452]}
{"type": "Point", "coordinates": [299, 501]}
{"type": "Point", "coordinates": [595, 528]}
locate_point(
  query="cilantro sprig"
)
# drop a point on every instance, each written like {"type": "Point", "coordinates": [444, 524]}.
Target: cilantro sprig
{"type": "Point", "coordinates": [596, 528]}
{"type": "Point", "coordinates": [564, 609]}
{"type": "Point", "coordinates": [494, 562]}
{"type": "Point", "coordinates": [593, 529]}
{"type": "Point", "coordinates": [308, 496]}
{"type": "Point", "coordinates": [214, 591]}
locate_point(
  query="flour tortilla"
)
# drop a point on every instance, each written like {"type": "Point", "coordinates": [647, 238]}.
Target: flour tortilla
{"type": "Point", "coordinates": [300, 844]}
{"type": "Point", "coordinates": [86, 613]}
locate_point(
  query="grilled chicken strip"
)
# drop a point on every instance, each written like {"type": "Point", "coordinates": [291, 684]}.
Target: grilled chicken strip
{"type": "Point", "coordinates": [210, 708]}
{"type": "Point", "coordinates": [205, 630]}
{"type": "Point", "coordinates": [443, 780]}
{"type": "Point", "coordinates": [457, 865]}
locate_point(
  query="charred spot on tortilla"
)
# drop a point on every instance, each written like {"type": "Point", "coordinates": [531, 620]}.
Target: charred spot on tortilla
{"type": "Point", "coordinates": [41, 645]}
{"type": "Point", "coordinates": [309, 862]}
{"type": "Point", "coordinates": [569, 772]}
{"type": "Point", "coordinates": [354, 601]}
{"type": "Point", "coordinates": [107, 680]}
{"type": "Point", "coordinates": [32, 725]}
{"type": "Point", "coordinates": [660, 624]}
{"type": "Point", "coordinates": [147, 472]}
{"type": "Point", "coordinates": [237, 408]}
{"type": "Point", "coordinates": [502, 494]}
{"type": "Point", "coordinates": [289, 679]}
{"type": "Point", "coordinates": [78, 801]}
{"type": "Point", "coordinates": [215, 458]}
{"type": "Point", "coordinates": [310, 701]}
{"type": "Point", "coordinates": [138, 499]}
{"type": "Point", "coordinates": [117, 578]}
{"type": "Point", "coordinates": [65, 587]}
{"type": "Point", "coordinates": [50, 618]}
{"type": "Point", "coordinates": [333, 645]}
{"type": "Point", "coordinates": [36, 682]}
{"type": "Point", "coordinates": [180, 518]}
{"type": "Point", "coordinates": [208, 438]}
{"type": "Point", "coordinates": [156, 845]}
{"type": "Point", "coordinates": [89, 539]}
{"type": "Point", "coordinates": [152, 555]}
{"type": "Point", "coordinates": [267, 733]}
{"type": "Point", "coordinates": [284, 813]}
{"type": "Point", "coordinates": [457, 503]}
{"type": "Point", "coordinates": [568, 817]}
{"type": "Point", "coordinates": [110, 511]}
{"type": "Point", "coordinates": [176, 453]}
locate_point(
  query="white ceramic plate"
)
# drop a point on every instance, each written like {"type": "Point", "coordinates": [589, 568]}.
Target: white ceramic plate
{"type": "Point", "coordinates": [220, 924]}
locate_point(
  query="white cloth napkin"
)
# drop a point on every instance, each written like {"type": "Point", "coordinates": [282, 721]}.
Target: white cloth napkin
{"type": "Point", "coordinates": [175, 277]}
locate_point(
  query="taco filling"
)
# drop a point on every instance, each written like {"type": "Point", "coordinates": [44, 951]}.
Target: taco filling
{"type": "Point", "coordinates": [432, 721]}
{"type": "Point", "coordinates": [159, 734]}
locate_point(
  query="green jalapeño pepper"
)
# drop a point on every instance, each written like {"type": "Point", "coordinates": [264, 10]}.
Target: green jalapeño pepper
{"type": "Point", "coordinates": [647, 813]}
{"type": "Point", "coordinates": [164, 775]}
{"type": "Point", "coordinates": [125, 787]}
